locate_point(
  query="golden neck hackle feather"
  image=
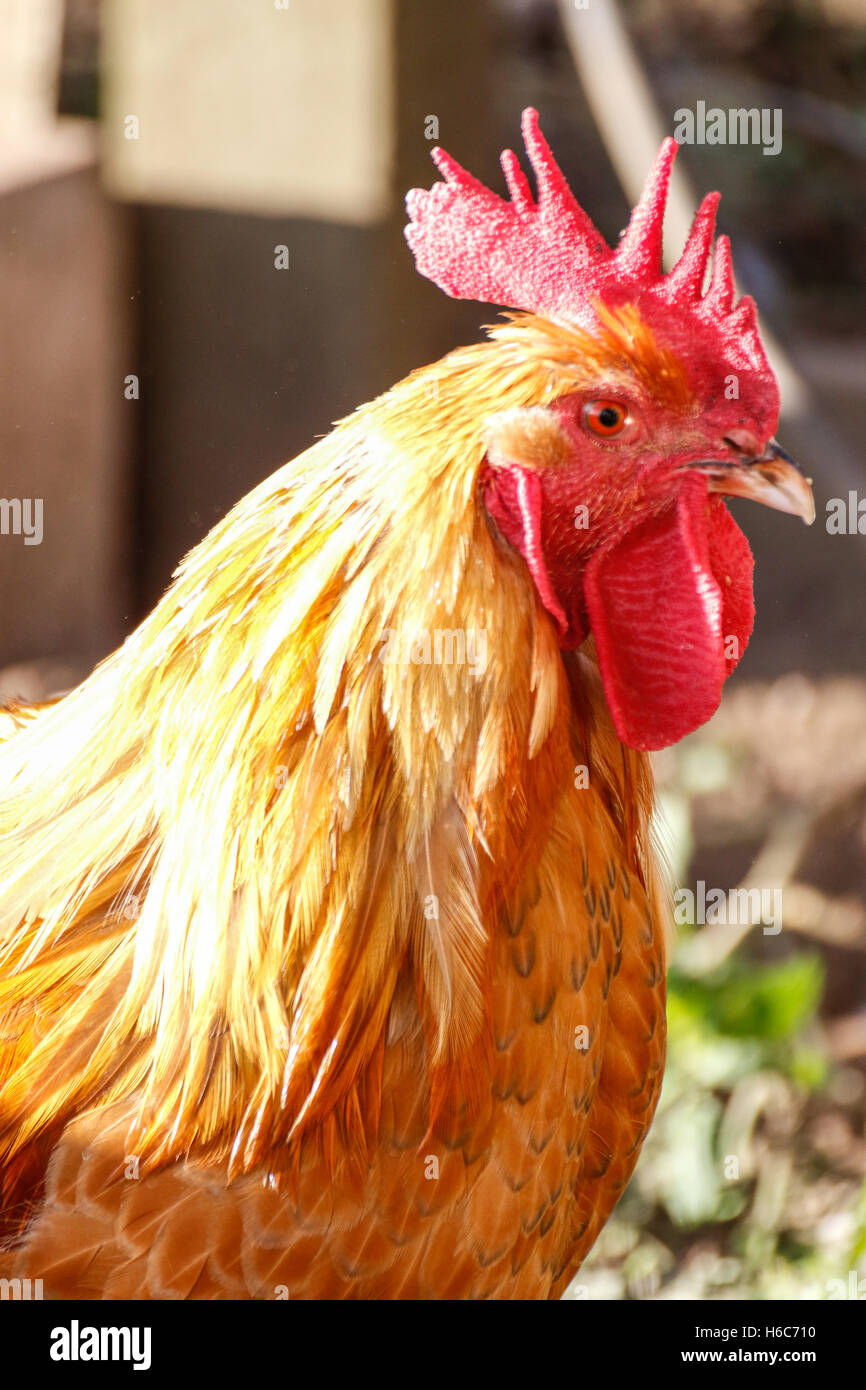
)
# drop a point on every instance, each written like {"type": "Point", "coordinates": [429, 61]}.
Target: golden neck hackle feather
{"type": "Point", "coordinates": [247, 846]}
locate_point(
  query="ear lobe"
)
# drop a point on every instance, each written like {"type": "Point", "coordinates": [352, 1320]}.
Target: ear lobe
{"type": "Point", "coordinates": [513, 496]}
{"type": "Point", "coordinates": [522, 443]}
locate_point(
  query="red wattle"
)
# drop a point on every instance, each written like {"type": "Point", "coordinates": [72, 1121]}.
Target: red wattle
{"type": "Point", "coordinates": [670, 607]}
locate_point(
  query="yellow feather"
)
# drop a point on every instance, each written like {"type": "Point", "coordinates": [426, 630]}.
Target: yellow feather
{"type": "Point", "coordinates": [276, 800]}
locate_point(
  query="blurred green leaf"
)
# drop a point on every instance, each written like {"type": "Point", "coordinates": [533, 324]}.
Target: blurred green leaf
{"type": "Point", "coordinates": [743, 1000]}
{"type": "Point", "coordinates": [809, 1067]}
{"type": "Point", "coordinates": [689, 1182]}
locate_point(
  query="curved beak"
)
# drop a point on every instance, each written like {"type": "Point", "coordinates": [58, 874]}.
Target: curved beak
{"type": "Point", "coordinates": [771, 477]}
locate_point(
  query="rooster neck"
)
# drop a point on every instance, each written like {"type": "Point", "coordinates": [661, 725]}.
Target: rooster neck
{"type": "Point", "coordinates": [264, 826]}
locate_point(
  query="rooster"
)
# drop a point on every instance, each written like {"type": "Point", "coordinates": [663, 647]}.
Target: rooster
{"type": "Point", "coordinates": [332, 926]}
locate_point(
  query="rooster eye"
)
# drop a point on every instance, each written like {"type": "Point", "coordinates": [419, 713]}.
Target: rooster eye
{"type": "Point", "coordinates": [604, 418]}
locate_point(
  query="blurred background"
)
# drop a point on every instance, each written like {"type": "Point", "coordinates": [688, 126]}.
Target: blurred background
{"type": "Point", "coordinates": [202, 267]}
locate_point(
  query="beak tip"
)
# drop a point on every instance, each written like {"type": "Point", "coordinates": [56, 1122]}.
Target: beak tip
{"type": "Point", "coordinates": [772, 478]}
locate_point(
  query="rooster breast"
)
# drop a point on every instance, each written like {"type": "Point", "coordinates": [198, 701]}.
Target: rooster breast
{"type": "Point", "coordinates": [502, 1203]}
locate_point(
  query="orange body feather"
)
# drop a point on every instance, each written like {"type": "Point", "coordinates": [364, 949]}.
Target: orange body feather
{"type": "Point", "coordinates": [327, 973]}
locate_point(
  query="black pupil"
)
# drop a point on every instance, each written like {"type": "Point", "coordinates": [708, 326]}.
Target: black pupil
{"type": "Point", "coordinates": [608, 417]}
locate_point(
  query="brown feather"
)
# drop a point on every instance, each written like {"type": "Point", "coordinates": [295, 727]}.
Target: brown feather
{"type": "Point", "coordinates": [214, 861]}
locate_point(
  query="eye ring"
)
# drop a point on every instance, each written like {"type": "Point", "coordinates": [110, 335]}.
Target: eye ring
{"type": "Point", "coordinates": [605, 418]}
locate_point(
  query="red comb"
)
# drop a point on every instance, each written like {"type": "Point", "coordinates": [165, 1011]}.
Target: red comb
{"type": "Point", "coordinates": [547, 257]}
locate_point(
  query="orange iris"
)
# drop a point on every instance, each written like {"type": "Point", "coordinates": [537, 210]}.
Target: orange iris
{"type": "Point", "coordinates": [604, 418]}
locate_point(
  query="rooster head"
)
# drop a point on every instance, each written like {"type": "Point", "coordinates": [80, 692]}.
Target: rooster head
{"type": "Point", "coordinates": [656, 401]}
